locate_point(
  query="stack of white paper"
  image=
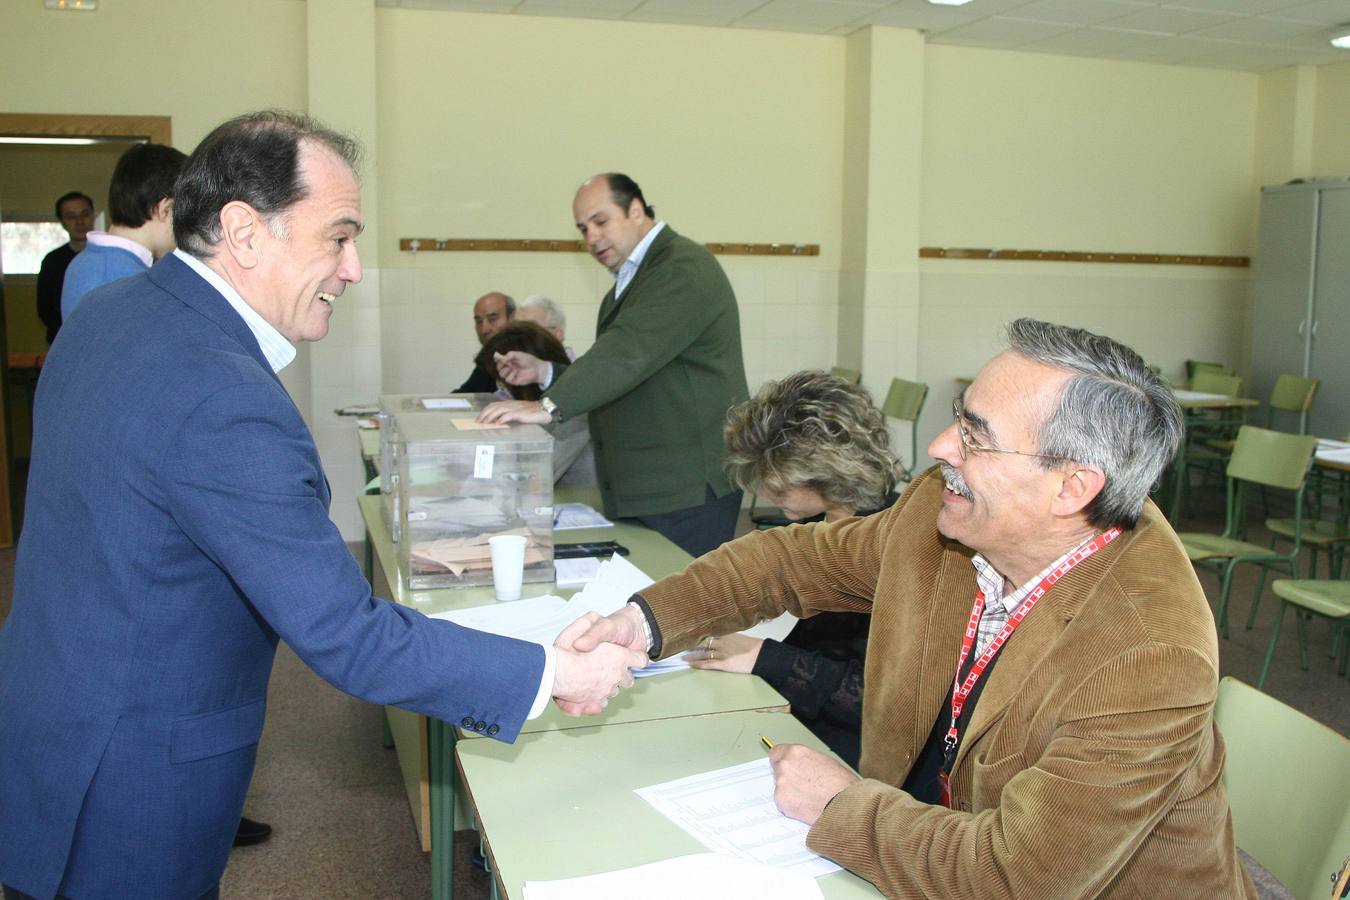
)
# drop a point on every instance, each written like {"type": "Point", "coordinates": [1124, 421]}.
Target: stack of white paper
{"type": "Point", "coordinates": [732, 811]}
{"type": "Point", "coordinates": [540, 619]}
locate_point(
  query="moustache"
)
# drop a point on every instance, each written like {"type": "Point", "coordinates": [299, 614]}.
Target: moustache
{"type": "Point", "coordinates": [956, 481]}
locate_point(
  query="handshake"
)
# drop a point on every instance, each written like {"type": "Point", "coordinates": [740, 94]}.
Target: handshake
{"type": "Point", "coordinates": [595, 659]}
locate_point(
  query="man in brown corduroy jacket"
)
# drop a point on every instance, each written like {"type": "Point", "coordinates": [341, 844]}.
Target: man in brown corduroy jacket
{"type": "Point", "coordinates": [1077, 756]}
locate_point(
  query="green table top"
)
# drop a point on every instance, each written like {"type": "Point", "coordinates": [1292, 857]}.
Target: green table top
{"type": "Point", "coordinates": [561, 805]}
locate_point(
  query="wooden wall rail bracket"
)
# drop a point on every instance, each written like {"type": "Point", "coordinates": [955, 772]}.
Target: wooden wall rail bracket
{"type": "Point", "coordinates": [523, 245]}
{"type": "Point", "coordinates": [1156, 259]}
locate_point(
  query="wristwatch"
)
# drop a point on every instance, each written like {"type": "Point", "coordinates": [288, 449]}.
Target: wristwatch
{"type": "Point", "coordinates": [551, 408]}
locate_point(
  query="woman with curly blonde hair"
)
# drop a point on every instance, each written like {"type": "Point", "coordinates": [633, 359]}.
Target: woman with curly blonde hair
{"type": "Point", "coordinates": [818, 448]}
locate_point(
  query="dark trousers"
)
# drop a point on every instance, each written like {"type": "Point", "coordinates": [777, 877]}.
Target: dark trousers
{"type": "Point", "coordinates": [11, 894]}
{"type": "Point", "coordinates": [698, 529]}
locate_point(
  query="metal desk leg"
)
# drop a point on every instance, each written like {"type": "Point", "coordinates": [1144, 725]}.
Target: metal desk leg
{"type": "Point", "coordinates": [441, 778]}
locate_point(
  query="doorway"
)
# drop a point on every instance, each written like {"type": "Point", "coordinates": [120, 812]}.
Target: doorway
{"type": "Point", "coordinates": [41, 158]}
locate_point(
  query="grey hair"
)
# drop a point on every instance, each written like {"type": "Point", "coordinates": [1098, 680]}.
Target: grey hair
{"type": "Point", "coordinates": [812, 430]}
{"type": "Point", "coordinates": [1114, 414]}
{"type": "Point", "coordinates": [554, 317]}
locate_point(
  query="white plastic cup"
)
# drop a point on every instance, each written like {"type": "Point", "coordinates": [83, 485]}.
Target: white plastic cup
{"type": "Point", "coordinates": [508, 564]}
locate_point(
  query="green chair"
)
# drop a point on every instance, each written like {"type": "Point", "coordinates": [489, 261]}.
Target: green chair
{"type": "Point", "coordinates": [1328, 522]}
{"type": "Point", "coordinates": [1328, 599]}
{"type": "Point", "coordinates": [904, 401]}
{"type": "Point", "coordinates": [1288, 783]}
{"type": "Point", "coordinates": [1291, 394]}
{"type": "Point", "coordinates": [1194, 367]}
{"type": "Point", "coordinates": [1204, 427]}
{"type": "Point", "coordinates": [852, 376]}
{"type": "Point", "coordinates": [1261, 457]}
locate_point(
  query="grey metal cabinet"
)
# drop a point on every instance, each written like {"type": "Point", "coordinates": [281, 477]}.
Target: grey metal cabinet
{"type": "Point", "coordinates": [1301, 308]}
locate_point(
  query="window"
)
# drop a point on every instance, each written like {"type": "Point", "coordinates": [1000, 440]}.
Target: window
{"type": "Point", "coordinates": [23, 244]}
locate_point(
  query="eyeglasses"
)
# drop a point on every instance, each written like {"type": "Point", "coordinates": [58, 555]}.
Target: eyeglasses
{"type": "Point", "coordinates": [969, 443]}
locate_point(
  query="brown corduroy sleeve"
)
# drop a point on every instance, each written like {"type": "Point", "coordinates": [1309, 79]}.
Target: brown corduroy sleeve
{"type": "Point", "coordinates": [802, 569]}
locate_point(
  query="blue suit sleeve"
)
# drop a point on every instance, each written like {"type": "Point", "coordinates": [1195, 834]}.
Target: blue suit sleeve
{"type": "Point", "coordinates": [245, 484]}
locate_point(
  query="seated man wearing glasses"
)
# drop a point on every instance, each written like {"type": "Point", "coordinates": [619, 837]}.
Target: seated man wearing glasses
{"type": "Point", "coordinates": [1042, 664]}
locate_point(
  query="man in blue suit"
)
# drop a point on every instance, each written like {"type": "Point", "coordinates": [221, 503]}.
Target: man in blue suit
{"type": "Point", "coordinates": [177, 527]}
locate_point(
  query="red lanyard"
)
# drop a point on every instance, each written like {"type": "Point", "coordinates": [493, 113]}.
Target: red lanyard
{"type": "Point", "coordinates": [961, 689]}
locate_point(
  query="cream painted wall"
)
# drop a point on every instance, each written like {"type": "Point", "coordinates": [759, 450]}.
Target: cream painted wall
{"type": "Point", "coordinates": [1283, 129]}
{"type": "Point", "coordinates": [488, 123]}
{"type": "Point", "coordinates": [204, 61]}
{"type": "Point", "coordinates": [1038, 151]}
{"type": "Point", "coordinates": [1166, 313]}
{"type": "Point", "coordinates": [1331, 135]}
{"type": "Point", "coordinates": [1034, 151]}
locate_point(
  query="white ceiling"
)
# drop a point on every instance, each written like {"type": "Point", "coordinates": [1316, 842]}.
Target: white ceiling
{"type": "Point", "coordinates": [1253, 35]}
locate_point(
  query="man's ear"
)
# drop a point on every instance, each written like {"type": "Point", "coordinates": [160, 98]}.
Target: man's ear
{"type": "Point", "coordinates": [242, 233]}
{"type": "Point", "coordinates": [1079, 487]}
{"type": "Point", "coordinates": [163, 211]}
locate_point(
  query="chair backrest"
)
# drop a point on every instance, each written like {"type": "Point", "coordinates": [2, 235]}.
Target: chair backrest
{"type": "Point", "coordinates": [1194, 367]}
{"type": "Point", "coordinates": [905, 399]}
{"type": "Point", "coordinates": [1288, 783]}
{"type": "Point", "coordinates": [1272, 458]}
{"type": "Point", "coordinates": [852, 376]}
{"type": "Point", "coordinates": [1293, 393]}
{"type": "Point", "coordinates": [1217, 383]}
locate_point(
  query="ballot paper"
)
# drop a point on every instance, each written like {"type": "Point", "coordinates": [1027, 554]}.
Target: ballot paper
{"type": "Point", "coordinates": [697, 875]}
{"type": "Point", "coordinates": [446, 403]}
{"type": "Point", "coordinates": [732, 811]}
{"type": "Point", "coordinates": [475, 425]}
{"type": "Point", "coordinates": [569, 516]}
{"type": "Point", "coordinates": [579, 572]}
{"type": "Point", "coordinates": [540, 619]}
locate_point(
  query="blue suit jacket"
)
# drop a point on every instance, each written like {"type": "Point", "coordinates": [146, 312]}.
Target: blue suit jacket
{"type": "Point", "coordinates": [176, 527]}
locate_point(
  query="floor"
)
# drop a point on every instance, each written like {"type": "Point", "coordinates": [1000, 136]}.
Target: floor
{"type": "Point", "coordinates": [343, 829]}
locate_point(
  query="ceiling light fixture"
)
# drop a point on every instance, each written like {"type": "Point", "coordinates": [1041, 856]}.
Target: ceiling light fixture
{"type": "Point", "coordinates": [1341, 37]}
{"type": "Point", "coordinates": [71, 4]}
{"type": "Point", "coordinates": [949, 2]}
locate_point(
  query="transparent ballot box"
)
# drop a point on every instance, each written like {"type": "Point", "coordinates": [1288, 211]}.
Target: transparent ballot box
{"type": "Point", "coordinates": [448, 484]}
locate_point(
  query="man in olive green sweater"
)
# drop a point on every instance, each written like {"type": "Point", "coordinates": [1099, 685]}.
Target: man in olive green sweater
{"type": "Point", "coordinates": [665, 366]}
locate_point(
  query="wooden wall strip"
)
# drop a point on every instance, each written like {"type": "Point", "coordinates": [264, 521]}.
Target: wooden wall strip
{"type": "Point", "coordinates": [522, 245]}
{"type": "Point", "coordinates": [158, 129]}
{"type": "Point", "coordinates": [1157, 259]}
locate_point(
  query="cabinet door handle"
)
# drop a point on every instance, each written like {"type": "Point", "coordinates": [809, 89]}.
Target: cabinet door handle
{"type": "Point", "coordinates": [1301, 324]}
{"type": "Point", "coordinates": [1314, 329]}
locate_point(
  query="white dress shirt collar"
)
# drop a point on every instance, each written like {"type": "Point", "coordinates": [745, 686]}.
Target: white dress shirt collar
{"type": "Point", "coordinates": [278, 351]}
{"type": "Point", "coordinates": [630, 265]}
{"type": "Point", "coordinates": [103, 239]}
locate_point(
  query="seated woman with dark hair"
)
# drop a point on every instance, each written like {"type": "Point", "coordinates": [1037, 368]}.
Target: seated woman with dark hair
{"type": "Point", "coordinates": [817, 448]}
{"type": "Point", "coordinates": [573, 459]}
{"type": "Point", "coordinates": [530, 337]}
